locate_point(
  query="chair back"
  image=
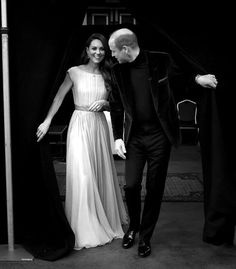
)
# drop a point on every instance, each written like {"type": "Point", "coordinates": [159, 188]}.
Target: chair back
{"type": "Point", "coordinates": [187, 113]}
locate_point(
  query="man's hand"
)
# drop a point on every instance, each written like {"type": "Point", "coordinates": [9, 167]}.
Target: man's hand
{"type": "Point", "coordinates": [120, 148]}
{"type": "Point", "coordinates": [207, 81]}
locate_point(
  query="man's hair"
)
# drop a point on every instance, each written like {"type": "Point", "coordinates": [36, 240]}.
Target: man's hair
{"type": "Point", "coordinates": [124, 37]}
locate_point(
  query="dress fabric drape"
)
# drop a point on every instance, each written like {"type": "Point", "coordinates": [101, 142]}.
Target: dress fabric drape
{"type": "Point", "coordinates": [93, 205]}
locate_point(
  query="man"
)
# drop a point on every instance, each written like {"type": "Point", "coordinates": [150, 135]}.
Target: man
{"type": "Point", "coordinates": [142, 105]}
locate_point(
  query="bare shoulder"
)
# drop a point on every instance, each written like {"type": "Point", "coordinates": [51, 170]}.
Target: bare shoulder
{"type": "Point", "coordinates": [82, 67]}
{"type": "Point", "coordinates": [71, 69]}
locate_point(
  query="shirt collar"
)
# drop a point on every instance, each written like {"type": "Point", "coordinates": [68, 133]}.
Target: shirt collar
{"type": "Point", "coordinates": [139, 60]}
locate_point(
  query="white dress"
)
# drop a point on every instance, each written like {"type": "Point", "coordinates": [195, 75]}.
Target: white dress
{"type": "Point", "coordinates": [93, 204]}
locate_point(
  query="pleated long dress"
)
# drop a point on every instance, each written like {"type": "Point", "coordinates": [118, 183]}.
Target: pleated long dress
{"type": "Point", "coordinates": [93, 204]}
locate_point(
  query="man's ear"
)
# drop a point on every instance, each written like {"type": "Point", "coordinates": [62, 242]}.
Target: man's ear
{"type": "Point", "coordinates": [125, 49]}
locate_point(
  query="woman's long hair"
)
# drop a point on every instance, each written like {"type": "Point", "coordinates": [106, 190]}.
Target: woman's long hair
{"type": "Point", "coordinates": [105, 64]}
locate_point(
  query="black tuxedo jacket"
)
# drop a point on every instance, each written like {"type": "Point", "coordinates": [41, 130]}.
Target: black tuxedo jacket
{"type": "Point", "coordinates": [161, 70]}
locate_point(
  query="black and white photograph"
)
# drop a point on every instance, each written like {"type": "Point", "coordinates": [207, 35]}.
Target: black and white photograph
{"type": "Point", "coordinates": [117, 138]}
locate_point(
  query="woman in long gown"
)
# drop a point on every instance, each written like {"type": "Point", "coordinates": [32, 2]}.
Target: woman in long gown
{"type": "Point", "coordinates": [93, 205]}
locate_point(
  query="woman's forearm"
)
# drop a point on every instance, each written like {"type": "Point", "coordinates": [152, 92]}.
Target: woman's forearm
{"type": "Point", "coordinates": [53, 109]}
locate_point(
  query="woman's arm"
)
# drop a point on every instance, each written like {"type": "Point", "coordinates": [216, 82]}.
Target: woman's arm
{"type": "Point", "coordinates": [57, 101]}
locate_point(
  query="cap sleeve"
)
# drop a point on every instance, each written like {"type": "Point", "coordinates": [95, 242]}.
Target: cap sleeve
{"type": "Point", "coordinates": [70, 72]}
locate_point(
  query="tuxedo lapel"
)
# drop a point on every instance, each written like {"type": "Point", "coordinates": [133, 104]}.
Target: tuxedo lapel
{"type": "Point", "coordinates": [153, 73]}
{"type": "Point", "coordinates": [158, 75]}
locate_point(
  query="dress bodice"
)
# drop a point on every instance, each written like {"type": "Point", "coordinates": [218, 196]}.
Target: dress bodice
{"type": "Point", "coordinates": [87, 87]}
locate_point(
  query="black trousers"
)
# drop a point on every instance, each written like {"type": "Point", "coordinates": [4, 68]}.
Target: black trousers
{"type": "Point", "coordinates": [151, 148]}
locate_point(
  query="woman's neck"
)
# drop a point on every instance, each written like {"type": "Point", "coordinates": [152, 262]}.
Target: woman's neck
{"type": "Point", "coordinates": [92, 68]}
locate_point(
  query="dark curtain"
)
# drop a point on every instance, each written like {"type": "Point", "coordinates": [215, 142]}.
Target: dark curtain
{"type": "Point", "coordinates": [38, 36]}
{"type": "Point", "coordinates": [204, 31]}
{"type": "Point", "coordinates": [45, 39]}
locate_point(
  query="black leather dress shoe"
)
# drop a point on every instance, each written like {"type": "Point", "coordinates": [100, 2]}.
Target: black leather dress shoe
{"type": "Point", "coordinates": [144, 249]}
{"type": "Point", "coordinates": [128, 239]}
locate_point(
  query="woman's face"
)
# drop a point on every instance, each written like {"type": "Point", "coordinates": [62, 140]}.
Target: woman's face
{"type": "Point", "coordinates": [96, 51]}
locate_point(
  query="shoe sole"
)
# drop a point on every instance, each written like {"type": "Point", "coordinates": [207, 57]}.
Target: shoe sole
{"type": "Point", "coordinates": [129, 246]}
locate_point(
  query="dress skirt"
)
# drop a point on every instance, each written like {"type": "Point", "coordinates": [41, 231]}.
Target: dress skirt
{"type": "Point", "coordinates": [93, 205]}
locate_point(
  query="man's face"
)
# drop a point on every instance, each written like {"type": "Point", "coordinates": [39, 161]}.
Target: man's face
{"type": "Point", "coordinates": [120, 55]}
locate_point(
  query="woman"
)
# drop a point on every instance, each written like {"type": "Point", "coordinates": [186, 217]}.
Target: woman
{"type": "Point", "coordinates": [93, 204]}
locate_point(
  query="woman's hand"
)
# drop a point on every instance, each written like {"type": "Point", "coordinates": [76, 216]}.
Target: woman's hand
{"type": "Point", "coordinates": [99, 105]}
{"type": "Point", "coordinates": [42, 129]}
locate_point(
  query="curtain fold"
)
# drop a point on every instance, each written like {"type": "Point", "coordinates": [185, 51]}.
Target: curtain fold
{"type": "Point", "coordinates": [38, 36]}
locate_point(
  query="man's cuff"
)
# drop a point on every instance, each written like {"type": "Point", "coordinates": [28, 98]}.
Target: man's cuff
{"type": "Point", "coordinates": [196, 78]}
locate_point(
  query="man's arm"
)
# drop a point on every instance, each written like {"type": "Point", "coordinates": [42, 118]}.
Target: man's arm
{"type": "Point", "coordinates": [184, 68]}
{"type": "Point", "coordinates": [117, 120]}
{"type": "Point", "coordinates": [116, 110]}
{"type": "Point", "coordinates": [206, 81]}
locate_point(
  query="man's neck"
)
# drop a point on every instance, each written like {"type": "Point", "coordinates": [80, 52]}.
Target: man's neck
{"type": "Point", "coordinates": [134, 54]}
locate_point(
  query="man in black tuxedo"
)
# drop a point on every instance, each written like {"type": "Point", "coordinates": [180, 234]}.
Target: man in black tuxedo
{"type": "Point", "coordinates": [145, 125]}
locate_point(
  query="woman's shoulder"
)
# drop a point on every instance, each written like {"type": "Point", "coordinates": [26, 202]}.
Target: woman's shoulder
{"type": "Point", "coordinates": [82, 67]}
{"type": "Point", "coordinates": [72, 69]}
{"type": "Point", "coordinates": [75, 70]}
{"type": "Point", "coordinates": [78, 68]}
